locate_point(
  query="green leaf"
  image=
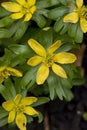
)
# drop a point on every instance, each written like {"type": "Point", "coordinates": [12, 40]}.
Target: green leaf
{"type": "Point", "coordinates": [3, 122]}
{"type": "Point", "coordinates": [20, 30]}
{"type": "Point", "coordinates": [4, 91]}
{"type": "Point", "coordinates": [9, 85]}
{"type": "Point", "coordinates": [46, 3]}
{"type": "Point", "coordinates": [79, 35]}
{"type": "Point", "coordinates": [6, 21]}
{"type": "Point", "coordinates": [3, 113]}
{"type": "Point", "coordinates": [57, 12]}
{"type": "Point", "coordinates": [64, 28]}
{"type": "Point", "coordinates": [4, 33]}
{"type": "Point", "coordinates": [72, 29]}
{"type": "Point", "coordinates": [40, 101]}
{"type": "Point", "coordinates": [29, 78]}
{"type": "Point", "coordinates": [3, 12]}
{"type": "Point", "coordinates": [67, 83]}
{"type": "Point", "coordinates": [40, 117]}
{"type": "Point", "coordinates": [51, 84]}
{"type": "Point", "coordinates": [58, 25]}
{"type": "Point", "coordinates": [39, 19]}
{"type": "Point", "coordinates": [22, 50]}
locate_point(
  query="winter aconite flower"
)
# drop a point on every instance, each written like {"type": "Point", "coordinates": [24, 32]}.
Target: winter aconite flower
{"type": "Point", "coordinates": [21, 8]}
{"type": "Point", "coordinates": [79, 12]}
{"type": "Point", "coordinates": [18, 108]}
{"type": "Point", "coordinates": [5, 72]}
{"type": "Point", "coordinates": [49, 59]}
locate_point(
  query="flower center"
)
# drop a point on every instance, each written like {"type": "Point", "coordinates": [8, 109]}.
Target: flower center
{"type": "Point", "coordinates": [49, 60]}
{"type": "Point", "coordinates": [27, 9]}
{"type": "Point", "coordinates": [82, 12]}
{"type": "Point", "coordinates": [5, 73]}
{"type": "Point", "coordinates": [20, 108]}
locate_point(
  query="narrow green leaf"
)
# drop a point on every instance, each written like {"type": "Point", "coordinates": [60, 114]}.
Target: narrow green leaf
{"type": "Point", "coordinates": [20, 30]}
{"type": "Point", "coordinates": [46, 3]}
{"type": "Point", "coordinates": [7, 95]}
{"type": "Point", "coordinates": [57, 12]}
{"type": "Point", "coordinates": [4, 33]}
{"type": "Point", "coordinates": [3, 122]}
{"type": "Point", "coordinates": [6, 21]}
{"type": "Point", "coordinates": [41, 101]}
{"type": "Point", "coordinates": [72, 29]}
{"type": "Point", "coordinates": [58, 25]}
{"type": "Point", "coordinates": [39, 19]}
{"type": "Point", "coordinates": [3, 113]}
{"type": "Point", "coordinates": [79, 35]}
{"type": "Point", "coordinates": [40, 117]}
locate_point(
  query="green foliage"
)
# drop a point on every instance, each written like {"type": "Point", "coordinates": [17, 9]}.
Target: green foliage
{"type": "Point", "coordinates": [46, 27]}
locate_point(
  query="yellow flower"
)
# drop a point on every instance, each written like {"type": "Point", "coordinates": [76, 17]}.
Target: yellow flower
{"type": "Point", "coordinates": [49, 59]}
{"type": "Point", "coordinates": [21, 8]}
{"type": "Point", "coordinates": [17, 109]}
{"type": "Point", "coordinates": [79, 12]}
{"type": "Point", "coordinates": [5, 72]}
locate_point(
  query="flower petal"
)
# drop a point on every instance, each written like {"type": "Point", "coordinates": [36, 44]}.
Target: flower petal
{"type": "Point", "coordinates": [42, 74]}
{"type": "Point", "coordinates": [28, 16]}
{"type": "Point", "coordinates": [30, 111]}
{"type": "Point", "coordinates": [11, 116]}
{"type": "Point", "coordinates": [28, 100]}
{"type": "Point", "coordinates": [72, 17]}
{"type": "Point", "coordinates": [64, 58]}
{"type": "Point", "coordinates": [14, 72]}
{"type": "Point", "coordinates": [16, 15]}
{"type": "Point", "coordinates": [21, 2]}
{"type": "Point", "coordinates": [83, 24]}
{"type": "Point", "coordinates": [39, 49]}
{"type": "Point", "coordinates": [8, 105]}
{"type": "Point", "coordinates": [35, 60]}
{"type": "Point", "coordinates": [11, 6]}
{"type": "Point", "coordinates": [17, 99]}
{"type": "Point", "coordinates": [33, 9]}
{"type": "Point", "coordinates": [54, 46]}
{"type": "Point", "coordinates": [59, 71]}
{"type": "Point", "coordinates": [79, 3]}
{"type": "Point", "coordinates": [1, 79]}
{"type": "Point", "coordinates": [31, 2]}
{"type": "Point", "coordinates": [21, 121]}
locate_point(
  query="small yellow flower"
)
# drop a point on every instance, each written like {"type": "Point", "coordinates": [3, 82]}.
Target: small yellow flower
{"type": "Point", "coordinates": [49, 59]}
{"type": "Point", "coordinates": [17, 109]}
{"type": "Point", "coordinates": [5, 72]}
{"type": "Point", "coordinates": [79, 12]}
{"type": "Point", "coordinates": [21, 8]}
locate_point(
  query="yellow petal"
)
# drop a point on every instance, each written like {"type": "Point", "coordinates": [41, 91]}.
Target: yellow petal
{"type": "Point", "coordinates": [28, 16]}
{"type": "Point", "coordinates": [30, 111]}
{"type": "Point", "coordinates": [28, 100]}
{"type": "Point", "coordinates": [14, 72]}
{"type": "Point", "coordinates": [65, 58]}
{"type": "Point", "coordinates": [8, 105]}
{"type": "Point", "coordinates": [83, 24]}
{"type": "Point", "coordinates": [21, 121]}
{"type": "Point", "coordinates": [31, 2]}
{"type": "Point", "coordinates": [16, 15]}
{"type": "Point", "coordinates": [39, 49]}
{"type": "Point", "coordinates": [1, 79]}
{"type": "Point", "coordinates": [33, 9]}
{"type": "Point", "coordinates": [11, 6]}
{"type": "Point", "coordinates": [17, 99]}
{"type": "Point", "coordinates": [11, 116]}
{"type": "Point", "coordinates": [59, 71]}
{"type": "Point", "coordinates": [35, 60]}
{"type": "Point", "coordinates": [21, 2]}
{"type": "Point", "coordinates": [2, 68]}
{"type": "Point", "coordinates": [72, 17]}
{"type": "Point", "coordinates": [42, 74]}
{"type": "Point", "coordinates": [79, 3]}
{"type": "Point", "coordinates": [54, 46]}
